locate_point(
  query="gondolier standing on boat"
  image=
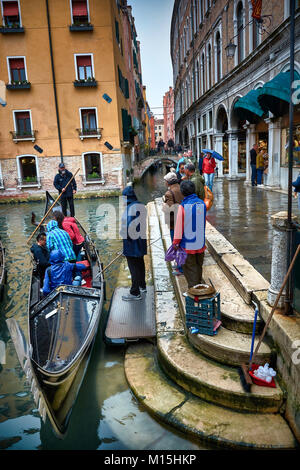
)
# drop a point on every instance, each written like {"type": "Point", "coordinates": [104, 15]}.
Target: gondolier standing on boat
{"type": "Point", "coordinates": [60, 181]}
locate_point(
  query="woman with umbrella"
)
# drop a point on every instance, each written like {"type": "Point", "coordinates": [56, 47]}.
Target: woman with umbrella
{"type": "Point", "coordinates": [209, 165]}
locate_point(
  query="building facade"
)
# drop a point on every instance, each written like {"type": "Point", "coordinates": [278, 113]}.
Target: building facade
{"type": "Point", "coordinates": [168, 106]}
{"type": "Point", "coordinates": [70, 98]}
{"type": "Point", "coordinates": [159, 130]}
{"type": "Point", "coordinates": [213, 107]}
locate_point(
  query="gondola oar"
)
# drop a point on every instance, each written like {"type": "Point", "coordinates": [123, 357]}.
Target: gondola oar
{"type": "Point", "coordinates": [46, 215]}
{"type": "Point", "coordinates": [119, 256]}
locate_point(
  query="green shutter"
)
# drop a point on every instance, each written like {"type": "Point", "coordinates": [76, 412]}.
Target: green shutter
{"type": "Point", "coordinates": [125, 121]}
{"type": "Point", "coordinates": [126, 88]}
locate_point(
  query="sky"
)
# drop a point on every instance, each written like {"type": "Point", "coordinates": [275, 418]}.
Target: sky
{"type": "Point", "coordinates": [153, 24]}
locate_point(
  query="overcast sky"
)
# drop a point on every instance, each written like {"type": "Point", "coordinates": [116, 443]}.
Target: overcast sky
{"type": "Point", "coordinates": [153, 23]}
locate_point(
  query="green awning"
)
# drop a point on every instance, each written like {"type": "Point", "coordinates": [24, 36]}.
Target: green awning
{"type": "Point", "coordinates": [248, 107]}
{"type": "Point", "coordinates": [275, 94]}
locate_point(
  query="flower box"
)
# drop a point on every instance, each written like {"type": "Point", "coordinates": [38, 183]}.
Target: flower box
{"type": "Point", "coordinates": [85, 83]}
{"type": "Point", "coordinates": [81, 27]}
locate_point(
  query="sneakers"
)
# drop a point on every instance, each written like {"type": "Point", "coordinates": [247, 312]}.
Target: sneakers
{"type": "Point", "coordinates": [129, 297]}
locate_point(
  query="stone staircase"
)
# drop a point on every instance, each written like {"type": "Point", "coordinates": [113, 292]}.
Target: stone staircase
{"type": "Point", "coordinates": [193, 382]}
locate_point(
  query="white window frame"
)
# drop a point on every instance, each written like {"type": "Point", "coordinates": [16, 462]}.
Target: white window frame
{"type": "Point", "coordinates": [85, 181]}
{"type": "Point", "coordinates": [71, 10]}
{"type": "Point", "coordinates": [18, 8]}
{"type": "Point", "coordinates": [8, 67]}
{"type": "Point", "coordinates": [251, 27]}
{"type": "Point", "coordinates": [98, 136]}
{"type": "Point", "coordinates": [235, 26]}
{"type": "Point", "coordinates": [209, 82]}
{"type": "Point", "coordinates": [92, 61]}
{"type": "Point", "coordinates": [33, 185]}
{"type": "Point", "coordinates": [15, 124]}
{"type": "Point", "coordinates": [218, 30]}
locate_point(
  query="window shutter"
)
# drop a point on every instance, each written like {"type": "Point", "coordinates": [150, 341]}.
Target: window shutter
{"type": "Point", "coordinates": [10, 9]}
{"type": "Point", "coordinates": [23, 115]}
{"type": "Point", "coordinates": [79, 8]}
{"type": "Point", "coordinates": [84, 61]}
{"type": "Point", "coordinates": [126, 89]}
{"type": "Point", "coordinates": [16, 63]}
{"type": "Point", "coordinates": [117, 31]}
{"type": "Point", "coordinates": [125, 125]}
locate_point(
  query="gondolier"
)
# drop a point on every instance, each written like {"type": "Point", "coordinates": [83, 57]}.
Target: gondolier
{"type": "Point", "coordinates": [60, 181]}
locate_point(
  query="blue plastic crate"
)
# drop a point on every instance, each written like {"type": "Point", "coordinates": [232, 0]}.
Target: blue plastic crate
{"type": "Point", "coordinates": [203, 314]}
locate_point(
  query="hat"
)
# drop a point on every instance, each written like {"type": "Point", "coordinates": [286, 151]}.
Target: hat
{"type": "Point", "coordinates": [171, 177]}
{"type": "Point", "coordinates": [201, 290]}
{"type": "Point", "coordinates": [61, 165]}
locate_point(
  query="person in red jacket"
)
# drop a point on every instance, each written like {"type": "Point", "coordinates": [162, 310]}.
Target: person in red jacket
{"type": "Point", "coordinates": [68, 224]}
{"type": "Point", "coordinates": [208, 169]}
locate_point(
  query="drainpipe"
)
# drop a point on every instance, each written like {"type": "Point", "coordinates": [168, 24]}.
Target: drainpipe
{"type": "Point", "coordinates": [54, 83]}
{"type": "Point", "coordinates": [289, 293]}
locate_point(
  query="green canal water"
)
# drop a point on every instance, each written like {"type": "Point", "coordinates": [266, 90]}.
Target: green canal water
{"type": "Point", "coordinates": [106, 415]}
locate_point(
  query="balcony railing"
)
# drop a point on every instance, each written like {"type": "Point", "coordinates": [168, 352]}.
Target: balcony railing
{"type": "Point", "coordinates": [87, 83]}
{"type": "Point", "coordinates": [81, 27]}
{"type": "Point", "coordinates": [88, 179]}
{"type": "Point", "coordinates": [15, 28]}
{"type": "Point", "coordinates": [18, 85]}
{"type": "Point", "coordinates": [19, 136]}
{"type": "Point", "coordinates": [29, 182]}
{"type": "Point", "coordinates": [88, 133]}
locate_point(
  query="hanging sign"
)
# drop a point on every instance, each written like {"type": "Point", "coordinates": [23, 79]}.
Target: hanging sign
{"type": "Point", "coordinates": [256, 6]}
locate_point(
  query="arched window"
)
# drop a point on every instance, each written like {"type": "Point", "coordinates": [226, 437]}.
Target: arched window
{"type": "Point", "coordinates": [203, 73]}
{"type": "Point", "coordinates": [255, 34]}
{"type": "Point", "coordinates": [209, 67]}
{"type": "Point", "coordinates": [218, 56]}
{"type": "Point", "coordinates": [240, 32]}
{"type": "Point", "coordinates": [197, 80]}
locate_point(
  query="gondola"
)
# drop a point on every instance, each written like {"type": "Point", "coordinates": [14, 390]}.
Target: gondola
{"type": "Point", "coordinates": [61, 331]}
{"type": "Point", "coordinates": [2, 270]}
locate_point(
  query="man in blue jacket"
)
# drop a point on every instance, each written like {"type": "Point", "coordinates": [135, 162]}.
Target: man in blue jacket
{"type": "Point", "coordinates": [58, 239]}
{"type": "Point", "coordinates": [60, 181]}
{"type": "Point", "coordinates": [61, 273]}
{"type": "Point", "coordinates": [133, 232]}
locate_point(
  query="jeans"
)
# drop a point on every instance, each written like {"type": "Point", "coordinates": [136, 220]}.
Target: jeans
{"type": "Point", "coordinates": [209, 179]}
{"type": "Point", "coordinates": [136, 267]}
{"type": "Point", "coordinates": [259, 176]}
{"type": "Point", "coordinates": [77, 249]}
{"type": "Point", "coordinates": [64, 203]}
{"type": "Point", "coordinates": [253, 175]}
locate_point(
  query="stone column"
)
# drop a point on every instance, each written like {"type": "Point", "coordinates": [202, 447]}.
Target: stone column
{"type": "Point", "coordinates": [279, 256]}
{"type": "Point", "coordinates": [233, 153]}
{"type": "Point", "coordinates": [274, 152]}
{"type": "Point", "coordinates": [218, 138]}
{"type": "Point", "coordinates": [250, 141]}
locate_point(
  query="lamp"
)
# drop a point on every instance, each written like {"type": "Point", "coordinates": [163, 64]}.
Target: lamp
{"type": "Point", "coordinates": [230, 49]}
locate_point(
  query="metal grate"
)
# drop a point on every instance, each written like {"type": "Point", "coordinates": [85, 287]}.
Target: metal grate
{"type": "Point", "coordinates": [131, 320]}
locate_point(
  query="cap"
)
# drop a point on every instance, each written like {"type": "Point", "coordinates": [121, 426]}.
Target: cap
{"type": "Point", "coordinates": [171, 177]}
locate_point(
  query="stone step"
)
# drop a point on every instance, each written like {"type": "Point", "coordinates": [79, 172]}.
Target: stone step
{"type": "Point", "coordinates": [238, 270]}
{"type": "Point", "coordinates": [196, 417]}
{"type": "Point", "coordinates": [210, 380]}
{"type": "Point", "coordinates": [230, 347]}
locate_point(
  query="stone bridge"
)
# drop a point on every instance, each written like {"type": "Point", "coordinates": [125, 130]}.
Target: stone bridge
{"type": "Point", "coordinates": [143, 166]}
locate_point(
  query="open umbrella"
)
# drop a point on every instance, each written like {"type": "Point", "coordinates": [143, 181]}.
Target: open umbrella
{"type": "Point", "coordinates": [214, 154]}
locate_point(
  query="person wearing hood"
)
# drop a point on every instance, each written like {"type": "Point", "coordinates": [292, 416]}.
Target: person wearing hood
{"type": "Point", "coordinates": [58, 239]}
{"type": "Point", "coordinates": [60, 181]}
{"type": "Point", "coordinates": [61, 273]}
{"type": "Point", "coordinates": [133, 232]}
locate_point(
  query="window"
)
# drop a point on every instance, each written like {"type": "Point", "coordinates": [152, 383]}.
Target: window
{"type": "Point", "coordinates": [204, 122]}
{"type": "Point", "coordinates": [10, 13]}
{"type": "Point", "coordinates": [80, 13]}
{"type": "Point", "coordinates": [240, 32]}
{"type": "Point", "coordinates": [210, 119]}
{"type": "Point", "coordinates": [16, 67]}
{"type": "Point", "coordinates": [89, 120]}
{"type": "Point", "coordinates": [203, 73]}
{"type": "Point", "coordinates": [84, 67]}
{"type": "Point", "coordinates": [197, 80]}
{"type": "Point", "coordinates": [255, 34]}
{"type": "Point", "coordinates": [27, 171]}
{"type": "Point", "coordinates": [92, 167]}
{"type": "Point", "coordinates": [22, 123]}
{"type": "Point", "coordinates": [218, 56]}
{"type": "Point", "coordinates": [209, 66]}
{"type": "Point", "coordinates": [124, 85]}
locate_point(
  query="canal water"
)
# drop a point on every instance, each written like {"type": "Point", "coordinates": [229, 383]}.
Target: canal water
{"type": "Point", "coordinates": [106, 415]}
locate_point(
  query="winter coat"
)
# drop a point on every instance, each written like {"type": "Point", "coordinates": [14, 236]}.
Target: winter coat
{"type": "Point", "coordinates": [60, 273]}
{"type": "Point", "coordinates": [41, 255]}
{"type": "Point", "coordinates": [208, 165]}
{"type": "Point", "coordinates": [260, 163]}
{"type": "Point", "coordinates": [134, 246]}
{"type": "Point", "coordinates": [198, 181]}
{"type": "Point", "coordinates": [190, 225]}
{"type": "Point", "coordinates": [58, 239]}
{"type": "Point", "coordinates": [173, 197]}
{"type": "Point", "coordinates": [60, 181]}
{"type": "Point", "coordinates": [296, 184]}
{"type": "Point", "coordinates": [70, 226]}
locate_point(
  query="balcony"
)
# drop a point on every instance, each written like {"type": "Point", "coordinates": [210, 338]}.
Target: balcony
{"type": "Point", "coordinates": [29, 182]}
{"type": "Point", "coordinates": [89, 82]}
{"type": "Point", "coordinates": [20, 136]}
{"type": "Point", "coordinates": [93, 178]}
{"type": "Point", "coordinates": [89, 133]}
{"type": "Point", "coordinates": [18, 85]}
{"type": "Point", "coordinates": [11, 29]}
{"type": "Point", "coordinates": [81, 27]}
